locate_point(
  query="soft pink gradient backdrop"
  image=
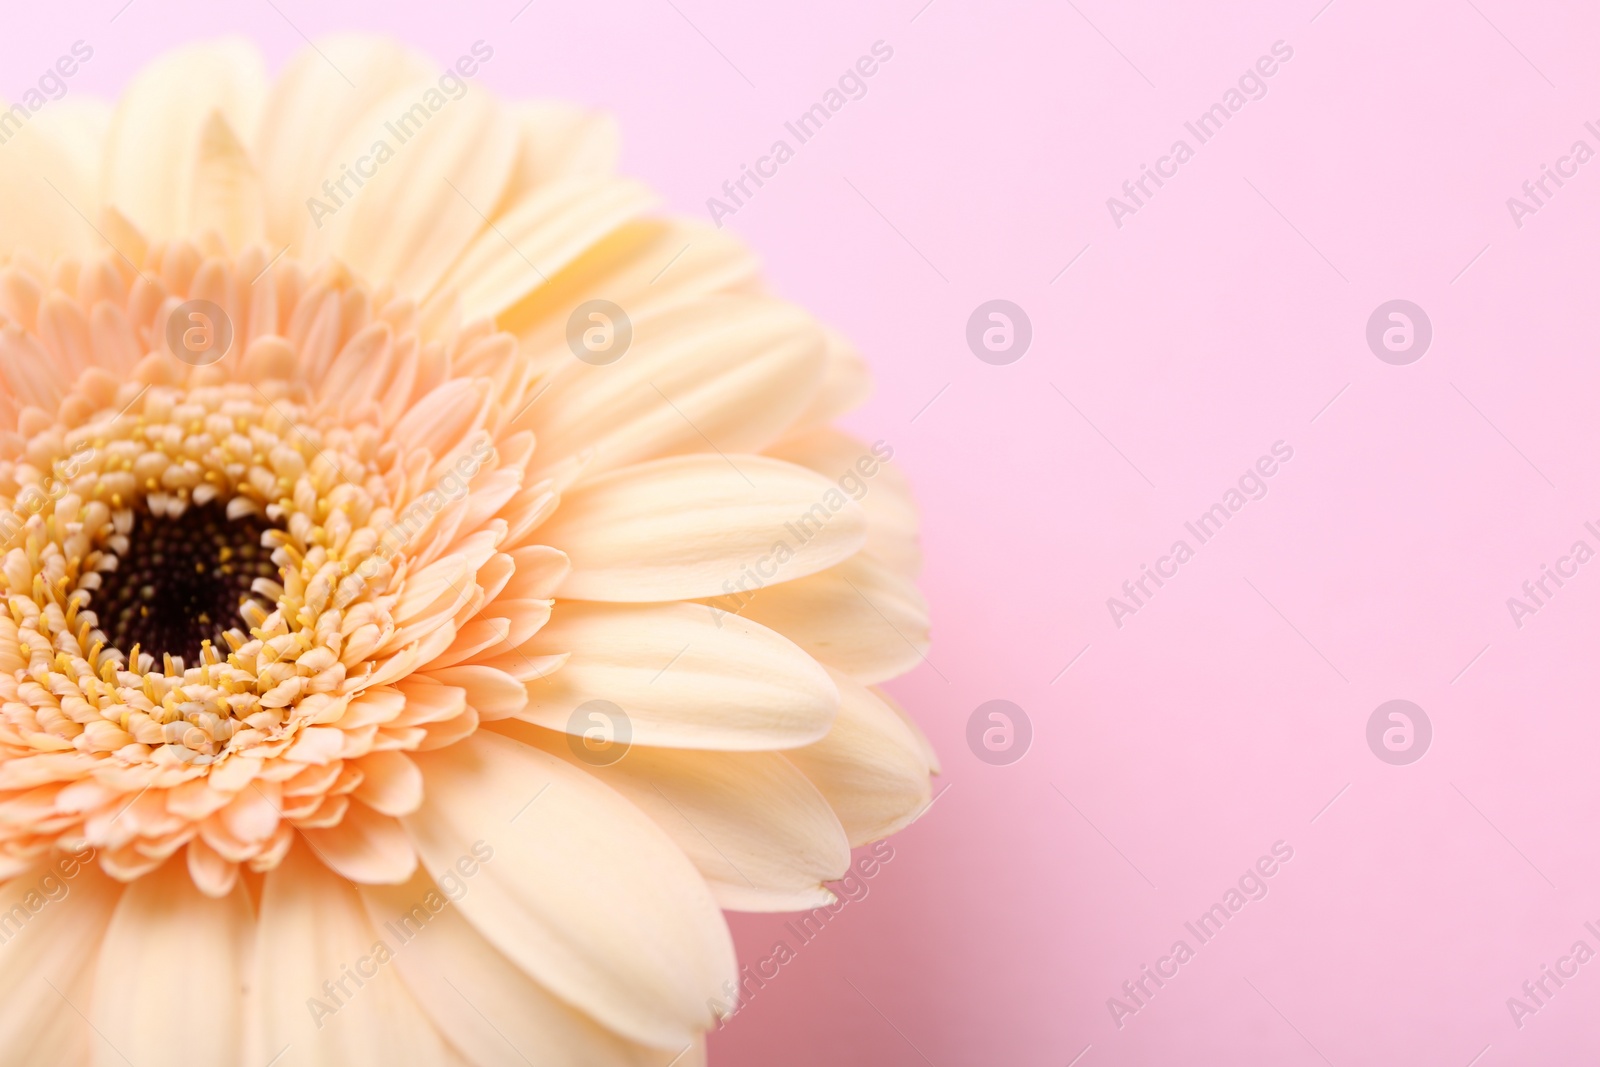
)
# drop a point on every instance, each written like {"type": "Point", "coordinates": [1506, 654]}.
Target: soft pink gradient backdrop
{"type": "Point", "coordinates": [1221, 318]}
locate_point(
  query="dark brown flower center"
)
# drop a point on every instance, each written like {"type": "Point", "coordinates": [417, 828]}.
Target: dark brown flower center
{"type": "Point", "coordinates": [182, 581]}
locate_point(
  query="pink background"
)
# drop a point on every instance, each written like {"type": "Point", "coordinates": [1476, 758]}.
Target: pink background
{"type": "Point", "coordinates": [1222, 317]}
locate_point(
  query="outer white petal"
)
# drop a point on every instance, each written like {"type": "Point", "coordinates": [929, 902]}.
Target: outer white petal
{"type": "Point", "coordinates": [762, 835]}
{"type": "Point", "coordinates": [871, 767]}
{"type": "Point", "coordinates": [684, 675]}
{"type": "Point", "coordinates": [422, 207]}
{"type": "Point", "coordinates": [701, 525]}
{"type": "Point", "coordinates": [861, 617]}
{"type": "Point", "coordinates": [365, 847]}
{"type": "Point", "coordinates": [536, 236]}
{"type": "Point", "coordinates": [928, 752]}
{"type": "Point", "coordinates": [867, 475]}
{"type": "Point", "coordinates": [166, 935]}
{"type": "Point", "coordinates": [481, 1001]}
{"type": "Point", "coordinates": [80, 125]}
{"type": "Point", "coordinates": [313, 930]}
{"type": "Point", "coordinates": [225, 192]}
{"type": "Point", "coordinates": [846, 383]}
{"type": "Point", "coordinates": [155, 136]}
{"type": "Point", "coordinates": [584, 893]}
{"type": "Point", "coordinates": [313, 110]}
{"type": "Point", "coordinates": [735, 371]}
{"type": "Point", "coordinates": [50, 179]}
{"type": "Point", "coordinates": [51, 943]}
{"type": "Point", "coordinates": [560, 141]}
{"type": "Point", "coordinates": [649, 266]}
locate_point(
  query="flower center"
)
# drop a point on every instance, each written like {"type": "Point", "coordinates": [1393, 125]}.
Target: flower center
{"type": "Point", "coordinates": [181, 581]}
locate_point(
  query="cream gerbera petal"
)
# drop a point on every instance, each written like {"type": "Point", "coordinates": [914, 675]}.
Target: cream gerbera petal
{"type": "Point", "coordinates": [156, 135]}
{"type": "Point", "coordinates": [587, 896]}
{"type": "Point", "coordinates": [37, 218]}
{"type": "Point", "coordinates": [490, 691]}
{"type": "Point", "coordinates": [421, 209]}
{"type": "Point", "coordinates": [732, 370]}
{"type": "Point", "coordinates": [880, 486]}
{"type": "Point", "coordinates": [701, 525]}
{"type": "Point", "coordinates": [930, 756]}
{"type": "Point", "coordinates": [442, 419]}
{"type": "Point", "coordinates": [390, 783]}
{"type": "Point", "coordinates": [757, 829]}
{"type": "Point", "coordinates": [166, 935]}
{"type": "Point", "coordinates": [537, 235]}
{"type": "Point", "coordinates": [686, 675]}
{"type": "Point", "coordinates": [486, 1005]}
{"type": "Point", "coordinates": [322, 97]}
{"type": "Point", "coordinates": [861, 617]}
{"type": "Point", "coordinates": [846, 383]}
{"type": "Point", "coordinates": [560, 141]}
{"type": "Point", "coordinates": [225, 196]}
{"type": "Point", "coordinates": [537, 572]}
{"type": "Point", "coordinates": [650, 266]}
{"type": "Point", "coordinates": [79, 126]}
{"type": "Point", "coordinates": [871, 767]}
{"type": "Point", "coordinates": [55, 946]}
{"type": "Point", "coordinates": [349, 1008]}
{"type": "Point", "coordinates": [366, 847]}
{"type": "Point", "coordinates": [39, 156]}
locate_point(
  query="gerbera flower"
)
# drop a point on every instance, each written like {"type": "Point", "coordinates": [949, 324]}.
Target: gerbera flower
{"type": "Point", "coordinates": [434, 589]}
